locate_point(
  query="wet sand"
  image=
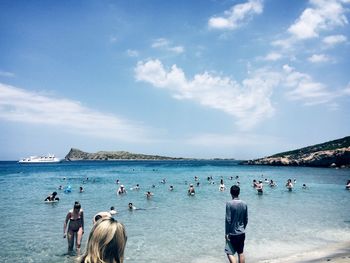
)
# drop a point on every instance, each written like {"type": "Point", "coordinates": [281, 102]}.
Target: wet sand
{"type": "Point", "coordinates": [339, 253]}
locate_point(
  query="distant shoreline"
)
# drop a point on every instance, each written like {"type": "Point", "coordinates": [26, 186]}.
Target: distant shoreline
{"type": "Point", "coordinates": [116, 160]}
{"type": "Point", "coordinates": [180, 159]}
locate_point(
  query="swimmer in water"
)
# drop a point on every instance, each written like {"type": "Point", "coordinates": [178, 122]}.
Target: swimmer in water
{"type": "Point", "coordinates": [75, 222]}
{"type": "Point", "coordinates": [68, 189]}
{"type": "Point", "coordinates": [222, 185]}
{"type": "Point", "coordinates": [121, 190]}
{"type": "Point", "coordinates": [289, 185]}
{"type": "Point", "coordinates": [149, 195]}
{"type": "Point", "coordinates": [113, 211]}
{"type": "Point", "coordinates": [171, 188]}
{"type": "Point", "coordinates": [131, 206]}
{"type": "Point", "coordinates": [100, 215]}
{"type": "Point", "coordinates": [272, 183]}
{"type": "Point", "coordinates": [81, 189]}
{"type": "Point", "coordinates": [255, 183]}
{"type": "Point", "coordinates": [259, 187]}
{"type": "Point", "coordinates": [191, 190]}
{"type": "Point", "coordinates": [52, 197]}
{"type": "Point", "coordinates": [348, 185]}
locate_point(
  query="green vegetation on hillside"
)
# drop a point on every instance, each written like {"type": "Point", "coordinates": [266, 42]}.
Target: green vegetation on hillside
{"type": "Point", "coordinates": [76, 154]}
{"type": "Point", "coordinates": [331, 145]}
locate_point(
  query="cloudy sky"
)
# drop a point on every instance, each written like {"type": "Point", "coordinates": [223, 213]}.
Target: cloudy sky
{"type": "Point", "coordinates": [210, 78]}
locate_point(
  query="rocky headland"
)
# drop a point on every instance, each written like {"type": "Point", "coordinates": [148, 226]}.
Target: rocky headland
{"type": "Point", "coordinates": [329, 154]}
{"type": "Point", "coordinates": [78, 155]}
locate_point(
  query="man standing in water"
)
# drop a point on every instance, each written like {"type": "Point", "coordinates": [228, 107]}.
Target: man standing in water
{"type": "Point", "coordinates": [236, 221]}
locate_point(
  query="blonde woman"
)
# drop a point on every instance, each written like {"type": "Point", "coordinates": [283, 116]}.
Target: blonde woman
{"type": "Point", "coordinates": [106, 242]}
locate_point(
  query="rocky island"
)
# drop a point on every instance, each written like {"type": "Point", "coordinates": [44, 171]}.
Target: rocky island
{"type": "Point", "coordinates": [78, 155]}
{"type": "Point", "coordinates": [329, 154]}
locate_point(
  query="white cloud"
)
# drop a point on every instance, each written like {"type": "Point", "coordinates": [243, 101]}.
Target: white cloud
{"type": "Point", "coordinates": [319, 58]}
{"type": "Point", "coordinates": [19, 105]}
{"type": "Point", "coordinates": [160, 42]}
{"type": "Point", "coordinates": [6, 74]}
{"type": "Point", "coordinates": [165, 44]}
{"type": "Point", "coordinates": [323, 15]}
{"type": "Point", "coordinates": [177, 49]}
{"type": "Point", "coordinates": [273, 56]}
{"type": "Point", "coordinates": [333, 40]}
{"type": "Point", "coordinates": [346, 91]}
{"type": "Point", "coordinates": [132, 53]}
{"type": "Point", "coordinates": [113, 39]}
{"type": "Point", "coordinates": [248, 102]}
{"type": "Point", "coordinates": [284, 43]}
{"type": "Point", "coordinates": [237, 15]}
{"type": "Point", "coordinates": [303, 88]}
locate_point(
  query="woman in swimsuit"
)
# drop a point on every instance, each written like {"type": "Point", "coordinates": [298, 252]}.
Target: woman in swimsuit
{"type": "Point", "coordinates": [75, 217]}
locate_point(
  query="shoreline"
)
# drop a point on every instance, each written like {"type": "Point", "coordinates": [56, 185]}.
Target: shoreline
{"type": "Point", "coordinates": [336, 253]}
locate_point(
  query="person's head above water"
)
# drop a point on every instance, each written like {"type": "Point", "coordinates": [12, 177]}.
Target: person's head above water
{"type": "Point", "coordinates": [101, 215]}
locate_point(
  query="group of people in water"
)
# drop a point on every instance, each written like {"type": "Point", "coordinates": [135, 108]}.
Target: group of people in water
{"type": "Point", "coordinates": [259, 185]}
{"type": "Point", "coordinates": [107, 238]}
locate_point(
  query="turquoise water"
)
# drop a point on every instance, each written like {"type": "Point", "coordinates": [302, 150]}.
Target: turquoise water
{"type": "Point", "coordinates": [173, 227]}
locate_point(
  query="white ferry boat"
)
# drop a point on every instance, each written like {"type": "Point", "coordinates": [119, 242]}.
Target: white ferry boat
{"type": "Point", "coordinates": [40, 159]}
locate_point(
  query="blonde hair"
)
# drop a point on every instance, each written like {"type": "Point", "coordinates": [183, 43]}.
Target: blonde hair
{"type": "Point", "coordinates": [106, 242]}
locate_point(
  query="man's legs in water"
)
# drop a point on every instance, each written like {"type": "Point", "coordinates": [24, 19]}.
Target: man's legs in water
{"type": "Point", "coordinates": [232, 259]}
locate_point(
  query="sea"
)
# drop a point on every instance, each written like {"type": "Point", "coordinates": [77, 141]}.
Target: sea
{"type": "Point", "coordinates": [172, 226]}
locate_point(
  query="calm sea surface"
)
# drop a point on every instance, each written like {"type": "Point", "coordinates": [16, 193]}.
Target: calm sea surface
{"type": "Point", "coordinates": [173, 227]}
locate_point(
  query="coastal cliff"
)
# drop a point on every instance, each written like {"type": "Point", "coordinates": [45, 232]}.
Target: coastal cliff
{"type": "Point", "coordinates": [78, 155]}
{"type": "Point", "coordinates": [329, 154]}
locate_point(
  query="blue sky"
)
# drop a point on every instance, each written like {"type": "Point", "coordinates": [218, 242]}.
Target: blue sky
{"type": "Point", "coordinates": [241, 79]}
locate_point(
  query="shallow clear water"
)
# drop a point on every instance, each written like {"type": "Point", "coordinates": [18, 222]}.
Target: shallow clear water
{"type": "Point", "coordinates": [173, 227]}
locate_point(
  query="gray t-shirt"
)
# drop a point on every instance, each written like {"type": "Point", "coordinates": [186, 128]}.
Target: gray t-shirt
{"type": "Point", "coordinates": [236, 218]}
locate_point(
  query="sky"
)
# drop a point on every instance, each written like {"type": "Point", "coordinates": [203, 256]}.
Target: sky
{"type": "Point", "coordinates": [236, 79]}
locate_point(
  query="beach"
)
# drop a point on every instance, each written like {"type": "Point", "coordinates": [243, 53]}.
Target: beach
{"type": "Point", "coordinates": [337, 253]}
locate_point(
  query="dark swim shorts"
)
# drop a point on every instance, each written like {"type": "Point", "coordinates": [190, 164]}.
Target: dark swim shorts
{"type": "Point", "coordinates": [237, 243]}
